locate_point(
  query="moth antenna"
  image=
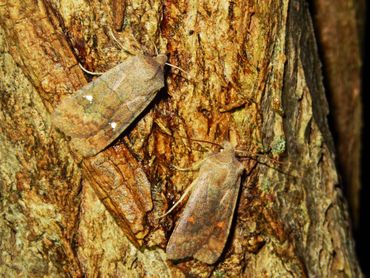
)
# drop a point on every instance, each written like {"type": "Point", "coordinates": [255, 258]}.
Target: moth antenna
{"type": "Point", "coordinates": [111, 34]}
{"type": "Point", "coordinates": [208, 142]}
{"type": "Point", "coordinates": [156, 49]}
{"type": "Point", "coordinates": [186, 192]}
{"type": "Point", "coordinates": [201, 141]}
{"type": "Point", "coordinates": [242, 153]}
{"type": "Point", "coordinates": [249, 156]}
{"type": "Point", "coordinates": [183, 169]}
{"type": "Point", "coordinates": [90, 72]}
{"type": "Point", "coordinates": [169, 64]}
{"type": "Point", "coordinates": [194, 167]}
{"type": "Point", "coordinates": [176, 67]}
{"type": "Point", "coordinates": [266, 164]}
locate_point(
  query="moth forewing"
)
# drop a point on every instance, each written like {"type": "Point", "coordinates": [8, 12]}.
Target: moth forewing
{"type": "Point", "coordinates": [204, 226]}
{"type": "Point", "coordinates": [99, 112]}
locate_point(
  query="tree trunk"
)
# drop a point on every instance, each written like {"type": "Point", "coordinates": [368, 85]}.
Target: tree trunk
{"type": "Point", "coordinates": [253, 78]}
{"type": "Point", "coordinates": [340, 34]}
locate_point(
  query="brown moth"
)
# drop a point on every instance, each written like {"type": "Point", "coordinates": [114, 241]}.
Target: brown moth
{"type": "Point", "coordinates": [204, 225]}
{"type": "Point", "coordinates": [99, 112]}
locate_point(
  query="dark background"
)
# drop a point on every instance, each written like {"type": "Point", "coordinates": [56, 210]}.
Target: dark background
{"type": "Point", "coordinates": [362, 234]}
{"type": "Point", "coordinates": [362, 231]}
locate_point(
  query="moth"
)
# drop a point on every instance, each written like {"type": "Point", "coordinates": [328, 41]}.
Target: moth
{"type": "Point", "coordinates": [204, 226]}
{"type": "Point", "coordinates": [99, 112]}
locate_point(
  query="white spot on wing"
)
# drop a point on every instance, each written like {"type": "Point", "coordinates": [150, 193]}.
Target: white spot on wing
{"type": "Point", "coordinates": [89, 98]}
{"type": "Point", "coordinates": [113, 125]}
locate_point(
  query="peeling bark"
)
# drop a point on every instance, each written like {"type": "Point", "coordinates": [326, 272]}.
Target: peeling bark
{"type": "Point", "coordinates": [254, 78]}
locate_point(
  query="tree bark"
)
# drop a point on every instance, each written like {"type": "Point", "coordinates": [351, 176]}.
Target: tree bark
{"type": "Point", "coordinates": [340, 35]}
{"type": "Point", "coordinates": [253, 78]}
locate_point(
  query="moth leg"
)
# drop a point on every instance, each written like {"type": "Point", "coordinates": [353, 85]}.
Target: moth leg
{"type": "Point", "coordinates": [186, 192]}
{"type": "Point", "coordinates": [180, 69]}
{"type": "Point", "coordinates": [194, 167]}
{"type": "Point", "coordinates": [90, 72]}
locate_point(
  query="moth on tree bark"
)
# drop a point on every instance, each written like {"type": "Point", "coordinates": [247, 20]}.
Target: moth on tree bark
{"type": "Point", "coordinates": [253, 78]}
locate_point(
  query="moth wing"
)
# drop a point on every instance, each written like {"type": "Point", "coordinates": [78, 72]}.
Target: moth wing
{"type": "Point", "coordinates": [99, 112]}
{"type": "Point", "coordinates": [203, 228]}
{"type": "Point", "coordinates": [73, 113]}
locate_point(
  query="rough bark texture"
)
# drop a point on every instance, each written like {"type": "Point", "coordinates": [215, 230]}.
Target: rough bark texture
{"type": "Point", "coordinates": [254, 79]}
{"type": "Point", "coordinates": [340, 34]}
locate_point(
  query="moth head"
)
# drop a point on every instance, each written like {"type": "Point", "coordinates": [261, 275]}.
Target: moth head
{"type": "Point", "coordinates": [161, 59]}
{"type": "Point", "coordinates": [227, 146]}
{"type": "Point", "coordinates": [150, 67]}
